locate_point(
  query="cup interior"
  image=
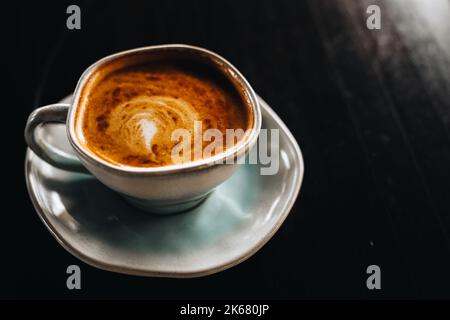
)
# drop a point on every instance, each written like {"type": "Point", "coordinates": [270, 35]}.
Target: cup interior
{"type": "Point", "coordinates": [195, 59]}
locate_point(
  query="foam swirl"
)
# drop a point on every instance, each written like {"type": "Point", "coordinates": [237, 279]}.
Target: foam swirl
{"type": "Point", "coordinates": [144, 124]}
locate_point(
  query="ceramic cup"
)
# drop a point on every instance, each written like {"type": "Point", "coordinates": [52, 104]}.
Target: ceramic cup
{"type": "Point", "coordinates": [165, 189]}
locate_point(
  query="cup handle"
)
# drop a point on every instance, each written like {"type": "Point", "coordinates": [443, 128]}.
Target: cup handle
{"type": "Point", "coordinates": [54, 113]}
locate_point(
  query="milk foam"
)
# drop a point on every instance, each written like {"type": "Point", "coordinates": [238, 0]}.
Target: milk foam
{"type": "Point", "coordinates": [128, 117]}
{"type": "Point", "coordinates": [145, 123]}
{"type": "Point", "coordinates": [148, 129]}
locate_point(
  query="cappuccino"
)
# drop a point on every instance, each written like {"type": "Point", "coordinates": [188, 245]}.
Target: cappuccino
{"type": "Point", "coordinates": [127, 116]}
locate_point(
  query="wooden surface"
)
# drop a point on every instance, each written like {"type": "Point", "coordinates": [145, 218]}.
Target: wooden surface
{"type": "Point", "coordinates": [370, 110]}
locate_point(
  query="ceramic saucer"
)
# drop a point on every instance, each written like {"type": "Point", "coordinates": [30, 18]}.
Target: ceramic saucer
{"type": "Point", "coordinates": [97, 226]}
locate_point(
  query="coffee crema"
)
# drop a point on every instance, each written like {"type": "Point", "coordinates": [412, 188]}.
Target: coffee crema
{"type": "Point", "coordinates": [128, 116]}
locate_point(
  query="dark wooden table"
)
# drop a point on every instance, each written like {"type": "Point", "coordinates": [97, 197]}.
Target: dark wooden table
{"type": "Point", "coordinates": [369, 108]}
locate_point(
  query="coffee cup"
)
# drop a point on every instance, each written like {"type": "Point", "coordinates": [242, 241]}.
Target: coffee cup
{"type": "Point", "coordinates": [160, 189]}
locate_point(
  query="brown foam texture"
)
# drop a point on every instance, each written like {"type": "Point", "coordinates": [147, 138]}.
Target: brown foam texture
{"type": "Point", "coordinates": [128, 116]}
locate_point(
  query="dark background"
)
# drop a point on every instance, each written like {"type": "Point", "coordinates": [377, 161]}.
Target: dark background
{"type": "Point", "coordinates": [370, 110]}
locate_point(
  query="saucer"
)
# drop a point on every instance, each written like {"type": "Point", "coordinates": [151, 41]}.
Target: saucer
{"type": "Point", "coordinates": [97, 226]}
